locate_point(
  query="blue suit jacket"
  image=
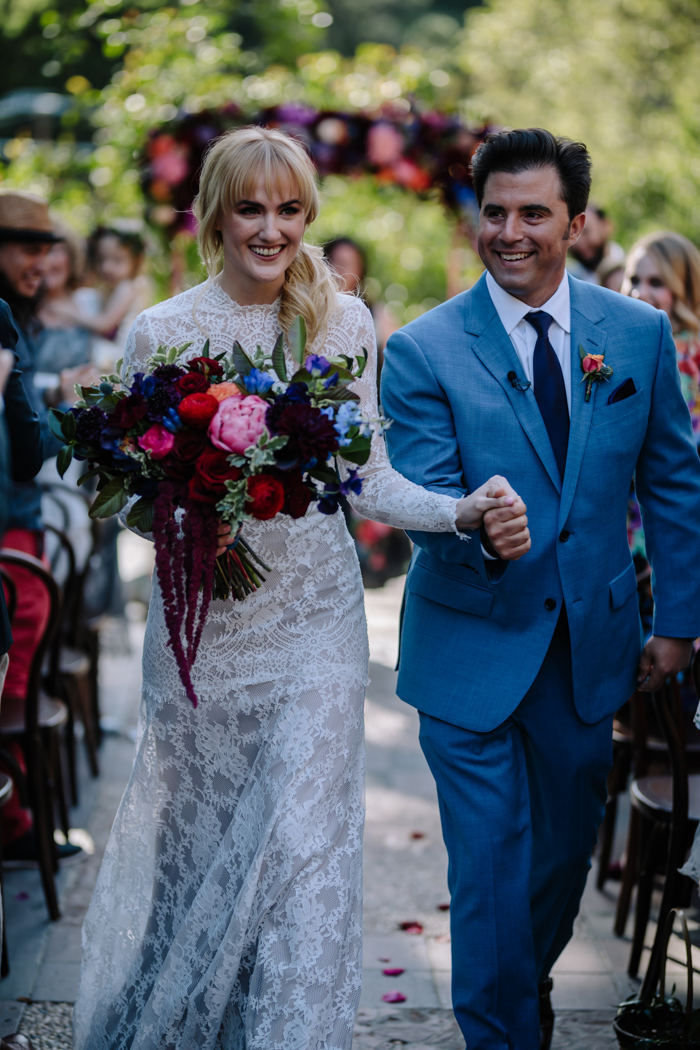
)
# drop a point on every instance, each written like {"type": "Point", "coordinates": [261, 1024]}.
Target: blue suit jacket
{"type": "Point", "coordinates": [475, 634]}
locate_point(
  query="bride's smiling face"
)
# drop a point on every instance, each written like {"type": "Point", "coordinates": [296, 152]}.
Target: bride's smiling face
{"type": "Point", "coordinates": [261, 235]}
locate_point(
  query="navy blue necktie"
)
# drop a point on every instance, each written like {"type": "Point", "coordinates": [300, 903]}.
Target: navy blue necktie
{"type": "Point", "coordinates": [549, 389]}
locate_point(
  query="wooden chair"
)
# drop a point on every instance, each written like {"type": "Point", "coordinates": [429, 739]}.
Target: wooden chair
{"type": "Point", "coordinates": [68, 668]}
{"type": "Point", "coordinates": [5, 796]}
{"type": "Point", "coordinates": [35, 721]}
{"type": "Point", "coordinates": [668, 809]}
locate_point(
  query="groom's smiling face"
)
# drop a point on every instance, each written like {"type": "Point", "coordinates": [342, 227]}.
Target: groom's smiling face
{"type": "Point", "coordinates": [525, 232]}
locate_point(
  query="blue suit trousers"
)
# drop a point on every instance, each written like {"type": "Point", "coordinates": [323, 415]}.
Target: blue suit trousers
{"type": "Point", "coordinates": [520, 808]}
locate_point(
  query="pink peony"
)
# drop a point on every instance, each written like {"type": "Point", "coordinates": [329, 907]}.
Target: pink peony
{"type": "Point", "coordinates": [238, 423]}
{"type": "Point", "coordinates": [157, 440]}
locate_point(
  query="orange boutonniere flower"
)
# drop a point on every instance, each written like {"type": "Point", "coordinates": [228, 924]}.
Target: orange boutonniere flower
{"type": "Point", "coordinates": [594, 369]}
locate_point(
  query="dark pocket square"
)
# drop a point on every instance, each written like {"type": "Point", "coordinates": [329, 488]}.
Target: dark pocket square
{"type": "Point", "coordinates": [622, 391]}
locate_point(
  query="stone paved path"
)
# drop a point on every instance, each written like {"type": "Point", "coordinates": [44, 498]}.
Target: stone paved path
{"type": "Point", "coordinates": [405, 882]}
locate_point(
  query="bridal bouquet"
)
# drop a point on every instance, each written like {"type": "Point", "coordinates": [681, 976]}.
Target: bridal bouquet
{"type": "Point", "coordinates": [225, 438]}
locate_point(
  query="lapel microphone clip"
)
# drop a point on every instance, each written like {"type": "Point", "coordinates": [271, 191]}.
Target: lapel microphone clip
{"type": "Point", "coordinates": [519, 384]}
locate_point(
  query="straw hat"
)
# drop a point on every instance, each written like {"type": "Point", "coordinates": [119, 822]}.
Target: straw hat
{"type": "Point", "coordinates": [25, 217]}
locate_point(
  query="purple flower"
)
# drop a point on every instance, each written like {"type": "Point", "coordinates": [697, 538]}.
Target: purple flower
{"type": "Point", "coordinates": [316, 365]}
{"type": "Point", "coordinates": [89, 424]}
{"type": "Point", "coordinates": [162, 398]}
{"type": "Point", "coordinates": [353, 484]}
{"type": "Point", "coordinates": [168, 373]}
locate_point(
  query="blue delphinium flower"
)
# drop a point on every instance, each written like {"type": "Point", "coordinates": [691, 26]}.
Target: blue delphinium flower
{"type": "Point", "coordinates": [331, 381]}
{"type": "Point", "coordinates": [143, 384]}
{"type": "Point", "coordinates": [257, 382]}
{"type": "Point", "coordinates": [348, 416]}
{"type": "Point", "coordinates": [171, 421]}
{"type": "Point", "coordinates": [316, 365]}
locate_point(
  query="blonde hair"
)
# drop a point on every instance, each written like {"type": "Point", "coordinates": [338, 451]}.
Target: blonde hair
{"type": "Point", "coordinates": [231, 170]}
{"type": "Point", "coordinates": [678, 261]}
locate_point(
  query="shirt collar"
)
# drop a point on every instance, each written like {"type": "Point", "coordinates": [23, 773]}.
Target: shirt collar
{"type": "Point", "coordinates": [511, 310]}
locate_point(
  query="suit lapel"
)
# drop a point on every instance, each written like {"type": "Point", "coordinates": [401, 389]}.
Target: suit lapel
{"type": "Point", "coordinates": [585, 317]}
{"type": "Point", "coordinates": [491, 344]}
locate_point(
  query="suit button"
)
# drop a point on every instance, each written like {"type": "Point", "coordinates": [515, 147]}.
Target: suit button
{"type": "Point", "coordinates": [564, 535]}
{"type": "Point", "coordinates": [550, 603]}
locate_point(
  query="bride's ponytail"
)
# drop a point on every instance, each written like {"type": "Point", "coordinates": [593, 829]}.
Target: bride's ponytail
{"type": "Point", "coordinates": [231, 170]}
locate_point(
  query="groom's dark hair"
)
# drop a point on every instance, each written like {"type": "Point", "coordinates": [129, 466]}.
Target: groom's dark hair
{"type": "Point", "coordinates": [525, 148]}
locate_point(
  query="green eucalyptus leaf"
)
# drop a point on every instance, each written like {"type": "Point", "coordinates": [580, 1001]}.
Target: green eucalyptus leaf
{"type": "Point", "coordinates": [205, 350]}
{"type": "Point", "coordinates": [68, 426]}
{"type": "Point", "coordinates": [118, 366]}
{"type": "Point", "coordinates": [241, 360]}
{"type": "Point", "coordinates": [109, 500]}
{"type": "Point", "coordinates": [278, 362]}
{"type": "Point", "coordinates": [55, 427]}
{"type": "Point", "coordinates": [358, 451]}
{"type": "Point", "coordinates": [296, 337]}
{"type": "Point", "coordinates": [324, 473]}
{"type": "Point", "coordinates": [89, 475]}
{"type": "Point", "coordinates": [361, 363]}
{"type": "Point", "coordinates": [63, 459]}
{"type": "Point", "coordinates": [141, 515]}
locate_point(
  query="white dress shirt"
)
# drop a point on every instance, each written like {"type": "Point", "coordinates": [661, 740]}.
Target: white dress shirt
{"type": "Point", "coordinates": [523, 336]}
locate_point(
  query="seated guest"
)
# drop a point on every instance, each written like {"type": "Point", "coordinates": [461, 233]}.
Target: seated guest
{"type": "Point", "coordinates": [663, 269]}
{"type": "Point", "coordinates": [116, 257]}
{"type": "Point", "coordinates": [26, 235]}
{"type": "Point", "coordinates": [595, 255]}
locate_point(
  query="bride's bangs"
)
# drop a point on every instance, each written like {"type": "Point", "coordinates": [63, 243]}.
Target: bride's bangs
{"type": "Point", "coordinates": [280, 173]}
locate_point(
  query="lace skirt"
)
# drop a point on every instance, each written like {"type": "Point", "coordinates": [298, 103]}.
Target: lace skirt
{"type": "Point", "coordinates": [227, 912]}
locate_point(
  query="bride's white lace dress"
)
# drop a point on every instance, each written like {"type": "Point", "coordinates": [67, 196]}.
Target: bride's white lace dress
{"type": "Point", "coordinates": [227, 912]}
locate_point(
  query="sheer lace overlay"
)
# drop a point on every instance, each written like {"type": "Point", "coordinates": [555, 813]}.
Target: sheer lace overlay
{"type": "Point", "coordinates": [227, 913]}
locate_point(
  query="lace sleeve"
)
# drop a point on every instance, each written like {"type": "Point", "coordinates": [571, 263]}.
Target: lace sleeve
{"type": "Point", "coordinates": [387, 496]}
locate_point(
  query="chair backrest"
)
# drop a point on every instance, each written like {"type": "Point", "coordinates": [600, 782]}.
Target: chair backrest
{"type": "Point", "coordinates": [37, 569]}
{"type": "Point", "coordinates": [10, 593]}
{"type": "Point", "coordinates": [71, 585]}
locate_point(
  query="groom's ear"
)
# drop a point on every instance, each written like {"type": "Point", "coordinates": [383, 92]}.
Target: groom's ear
{"type": "Point", "coordinates": [575, 228]}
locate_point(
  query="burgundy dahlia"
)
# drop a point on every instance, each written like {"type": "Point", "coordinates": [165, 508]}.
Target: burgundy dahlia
{"type": "Point", "coordinates": [311, 434]}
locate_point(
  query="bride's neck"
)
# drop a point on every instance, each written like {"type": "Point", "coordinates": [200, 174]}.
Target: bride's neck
{"type": "Point", "coordinates": [247, 292]}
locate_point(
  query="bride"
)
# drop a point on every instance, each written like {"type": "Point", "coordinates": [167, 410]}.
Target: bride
{"type": "Point", "coordinates": [227, 912]}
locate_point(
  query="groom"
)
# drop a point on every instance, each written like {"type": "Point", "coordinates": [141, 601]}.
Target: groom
{"type": "Point", "coordinates": [518, 645]}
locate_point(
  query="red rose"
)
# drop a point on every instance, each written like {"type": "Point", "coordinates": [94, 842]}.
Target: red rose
{"type": "Point", "coordinates": [197, 410]}
{"type": "Point", "coordinates": [206, 366]}
{"type": "Point", "coordinates": [189, 444]}
{"type": "Point", "coordinates": [297, 495]}
{"type": "Point", "coordinates": [129, 411]}
{"type": "Point", "coordinates": [175, 468]}
{"type": "Point", "coordinates": [192, 383]}
{"type": "Point", "coordinates": [214, 471]}
{"type": "Point", "coordinates": [266, 497]}
{"type": "Point", "coordinates": [197, 492]}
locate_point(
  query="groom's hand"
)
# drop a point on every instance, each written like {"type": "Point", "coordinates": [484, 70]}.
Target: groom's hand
{"type": "Point", "coordinates": [660, 658]}
{"type": "Point", "coordinates": [506, 527]}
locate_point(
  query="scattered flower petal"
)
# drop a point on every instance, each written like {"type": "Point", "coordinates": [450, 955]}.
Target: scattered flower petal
{"type": "Point", "coordinates": [411, 927]}
{"type": "Point", "coordinates": [417, 834]}
{"type": "Point", "coordinates": [444, 938]}
{"type": "Point", "coordinates": [393, 971]}
{"type": "Point", "coordinates": [394, 997]}
{"type": "Point", "coordinates": [383, 958]}
{"type": "Point", "coordinates": [443, 907]}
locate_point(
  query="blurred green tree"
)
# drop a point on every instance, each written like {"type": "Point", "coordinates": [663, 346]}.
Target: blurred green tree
{"type": "Point", "coordinates": [621, 75]}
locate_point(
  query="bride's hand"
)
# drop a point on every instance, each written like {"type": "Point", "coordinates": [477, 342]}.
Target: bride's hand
{"type": "Point", "coordinates": [492, 495]}
{"type": "Point", "coordinates": [223, 534]}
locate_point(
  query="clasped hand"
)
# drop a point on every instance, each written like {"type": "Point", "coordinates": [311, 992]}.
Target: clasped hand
{"type": "Point", "coordinates": [498, 507]}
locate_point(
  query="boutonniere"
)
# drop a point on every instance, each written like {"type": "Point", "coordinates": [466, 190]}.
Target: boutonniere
{"type": "Point", "coordinates": [594, 369]}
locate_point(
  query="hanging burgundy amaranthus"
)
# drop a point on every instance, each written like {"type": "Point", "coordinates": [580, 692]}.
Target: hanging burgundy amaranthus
{"type": "Point", "coordinates": [185, 546]}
